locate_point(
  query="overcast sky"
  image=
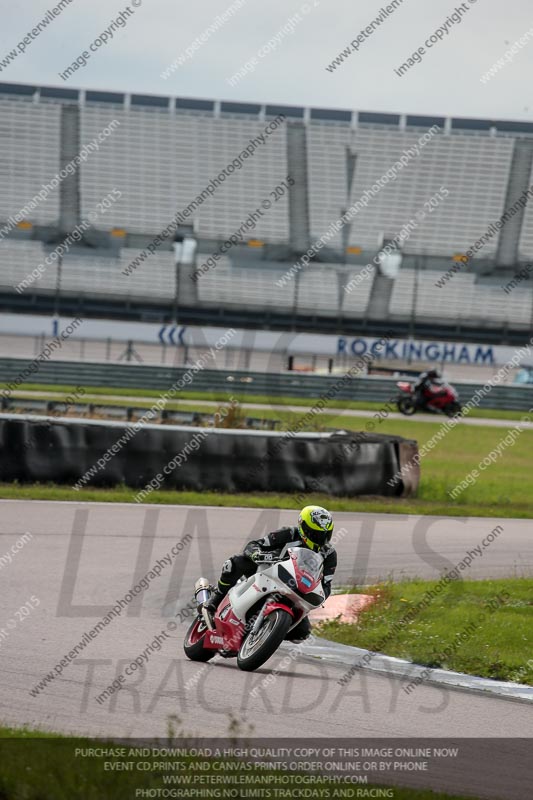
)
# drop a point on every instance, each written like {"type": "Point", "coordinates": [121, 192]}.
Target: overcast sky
{"type": "Point", "coordinates": [446, 81]}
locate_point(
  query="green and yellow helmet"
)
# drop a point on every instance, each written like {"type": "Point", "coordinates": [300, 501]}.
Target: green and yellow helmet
{"type": "Point", "coordinates": [315, 526]}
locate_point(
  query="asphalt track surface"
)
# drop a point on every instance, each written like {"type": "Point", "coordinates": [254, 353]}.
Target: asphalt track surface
{"type": "Point", "coordinates": [82, 558]}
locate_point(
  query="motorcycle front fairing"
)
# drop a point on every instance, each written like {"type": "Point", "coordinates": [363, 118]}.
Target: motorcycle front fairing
{"type": "Point", "coordinates": [293, 583]}
{"type": "Point", "coordinates": [405, 386]}
{"type": "Point", "coordinates": [303, 574]}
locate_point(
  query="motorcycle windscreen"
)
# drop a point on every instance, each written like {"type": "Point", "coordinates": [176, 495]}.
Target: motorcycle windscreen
{"type": "Point", "coordinates": [309, 562]}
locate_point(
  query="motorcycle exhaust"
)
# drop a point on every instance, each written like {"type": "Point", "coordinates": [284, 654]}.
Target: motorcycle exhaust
{"type": "Point", "coordinates": [202, 591]}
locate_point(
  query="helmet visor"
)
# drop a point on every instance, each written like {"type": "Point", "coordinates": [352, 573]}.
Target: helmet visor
{"type": "Point", "coordinates": [314, 539]}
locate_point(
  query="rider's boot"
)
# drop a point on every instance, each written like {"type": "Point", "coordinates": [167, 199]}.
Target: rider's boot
{"type": "Point", "coordinates": [210, 606]}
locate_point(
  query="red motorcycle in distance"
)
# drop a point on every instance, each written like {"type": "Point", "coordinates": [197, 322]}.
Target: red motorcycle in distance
{"type": "Point", "coordinates": [438, 398]}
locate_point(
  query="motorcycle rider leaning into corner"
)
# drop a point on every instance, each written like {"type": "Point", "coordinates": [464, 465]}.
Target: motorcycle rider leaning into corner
{"type": "Point", "coordinates": [314, 530]}
{"type": "Point", "coordinates": [425, 381]}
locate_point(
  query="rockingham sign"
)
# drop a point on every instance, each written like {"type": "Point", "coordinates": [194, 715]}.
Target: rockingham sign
{"type": "Point", "coordinates": [433, 352]}
{"type": "Point", "coordinates": [340, 348]}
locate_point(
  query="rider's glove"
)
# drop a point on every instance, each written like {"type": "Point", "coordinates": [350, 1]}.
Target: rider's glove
{"type": "Point", "coordinates": [258, 556]}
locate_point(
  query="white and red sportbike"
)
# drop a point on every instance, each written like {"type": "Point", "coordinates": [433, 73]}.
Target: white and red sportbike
{"type": "Point", "coordinates": [257, 614]}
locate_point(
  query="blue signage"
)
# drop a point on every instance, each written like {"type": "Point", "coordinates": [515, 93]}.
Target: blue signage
{"type": "Point", "coordinates": [407, 350]}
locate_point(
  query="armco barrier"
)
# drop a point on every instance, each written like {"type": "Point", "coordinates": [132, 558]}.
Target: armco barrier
{"type": "Point", "coordinates": [61, 450]}
{"type": "Point", "coordinates": [161, 378]}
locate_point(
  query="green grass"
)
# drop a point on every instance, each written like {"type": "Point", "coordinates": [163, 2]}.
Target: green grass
{"type": "Point", "coordinates": [499, 647]}
{"type": "Point", "coordinates": [37, 766]}
{"type": "Point", "coordinates": [505, 489]}
{"type": "Point", "coordinates": [244, 398]}
{"type": "Point", "coordinates": [372, 505]}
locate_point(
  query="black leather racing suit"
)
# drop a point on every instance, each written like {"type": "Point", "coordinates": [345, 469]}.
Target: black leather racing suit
{"type": "Point", "coordinates": [242, 564]}
{"type": "Point", "coordinates": [423, 384]}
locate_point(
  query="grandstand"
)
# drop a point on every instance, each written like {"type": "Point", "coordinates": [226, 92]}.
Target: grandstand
{"type": "Point", "coordinates": [30, 138]}
{"type": "Point", "coordinates": [474, 169]}
{"type": "Point", "coordinates": [162, 152]}
{"type": "Point", "coordinates": [161, 162]}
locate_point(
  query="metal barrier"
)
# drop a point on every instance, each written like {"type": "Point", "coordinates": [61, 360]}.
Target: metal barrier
{"type": "Point", "coordinates": [92, 410]}
{"type": "Point", "coordinates": [161, 378]}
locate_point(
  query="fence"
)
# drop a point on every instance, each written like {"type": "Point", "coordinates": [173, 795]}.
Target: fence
{"type": "Point", "coordinates": [211, 382]}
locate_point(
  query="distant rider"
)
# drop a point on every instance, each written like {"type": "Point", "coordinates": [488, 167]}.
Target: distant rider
{"type": "Point", "coordinates": [426, 386]}
{"type": "Point", "coordinates": [314, 530]}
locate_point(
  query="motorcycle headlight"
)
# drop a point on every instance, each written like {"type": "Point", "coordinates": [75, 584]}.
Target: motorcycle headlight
{"type": "Point", "coordinates": [310, 597]}
{"type": "Point", "coordinates": [285, 576]}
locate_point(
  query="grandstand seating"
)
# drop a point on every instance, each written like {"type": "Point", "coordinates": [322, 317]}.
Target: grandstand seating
{"type": "Point", "coordinates": [162, 155]}
{"type": "Point", "coordinates": [243, 287]}
{"type": "Point", "coordinates": [525, 246]}
{"type": "Point", "coordinates": [29, 139]}
{"type": "Point", "coordinates": [354, 303]}
{"type": "Point", "coordinates": [473, 169]}
{"type": "Point", "coordinates": [91, 275]}
{"type": "Point", "coordinates": [320, 288]}
{"type": "Point", "coordinates": [161, 162]}
{"type": "Point", "coordinates": [461, 298]}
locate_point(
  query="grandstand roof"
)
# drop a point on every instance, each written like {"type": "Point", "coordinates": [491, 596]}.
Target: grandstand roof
{"type": "Point", "coordinates": [217, 108]}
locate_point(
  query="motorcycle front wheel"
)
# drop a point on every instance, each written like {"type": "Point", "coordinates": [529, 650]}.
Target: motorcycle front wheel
{"type": "Point", "coordinates": [194, 642]}
{"type": "Point", "coordinates": [453, 408]}
{"type": "Point", "coordinates": [406, 406]}
{"type": "Point", "coordinates": [259, 647]}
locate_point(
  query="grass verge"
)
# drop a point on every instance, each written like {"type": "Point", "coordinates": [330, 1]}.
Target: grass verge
{"type": "Point", "coordinates": [216, 397]}
{"type": "Point", "coordinates": [504, 488]}
{"type": "Point", "coordinates": [457, 630]}
{"type": "Point", "coordinates": [36, 766]}
{"type": "Point", "coordinates": [370, 505]}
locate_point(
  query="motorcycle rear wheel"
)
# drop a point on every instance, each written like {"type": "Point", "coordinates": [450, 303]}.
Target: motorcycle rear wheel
{"type": "Point", "coordinates": [258, 648]}
{"type": "Point", "coordinates": [194, 642]}
{"type": "Point", "coordinates": [453, 408]}
{"type": "Point", "coordinates": [406, 406]}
